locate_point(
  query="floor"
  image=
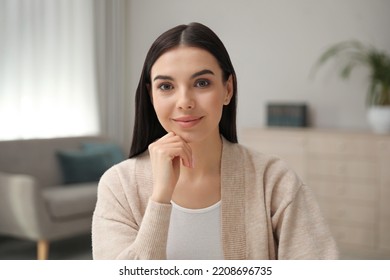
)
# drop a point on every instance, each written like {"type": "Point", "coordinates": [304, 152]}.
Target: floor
{"type": "Point", "coordinates": [77, 248]}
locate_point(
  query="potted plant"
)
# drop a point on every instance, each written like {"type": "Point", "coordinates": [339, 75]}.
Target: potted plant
{"type": "Point", "coordinates": [352, 54]}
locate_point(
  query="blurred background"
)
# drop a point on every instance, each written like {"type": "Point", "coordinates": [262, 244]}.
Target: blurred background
{"type": "Point", "coordinates": [70, 68]}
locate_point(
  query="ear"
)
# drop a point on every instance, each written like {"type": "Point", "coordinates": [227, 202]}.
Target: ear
{"type": "Point", "coordinates": [229, 90]}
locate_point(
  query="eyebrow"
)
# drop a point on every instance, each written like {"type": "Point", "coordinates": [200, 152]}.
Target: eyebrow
{"type": "Point", "coordinates": [197, 74]}
{"type": "Point", "coordinates": [203, 72]}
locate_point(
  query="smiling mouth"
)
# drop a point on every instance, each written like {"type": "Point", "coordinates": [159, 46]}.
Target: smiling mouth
{"type": "Point", "coordinates": [187, 119]}
{"type": "Point", "coordinates": [187, 122]}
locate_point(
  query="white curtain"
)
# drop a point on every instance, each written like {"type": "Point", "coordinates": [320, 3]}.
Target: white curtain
{"type": "Point", "coordinates": [47, 69]}
{"type": "Point", "coordinates": [113, 89]}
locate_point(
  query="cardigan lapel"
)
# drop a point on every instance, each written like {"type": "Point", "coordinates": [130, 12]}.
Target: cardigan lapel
{"type": "Point", "coordinates": [233, 201]}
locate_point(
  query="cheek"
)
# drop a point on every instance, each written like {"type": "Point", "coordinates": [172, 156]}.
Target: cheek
{"type": "Point", "coordinates": [162, 109]}
{"type": "Point", "coordinates": [214, 102]}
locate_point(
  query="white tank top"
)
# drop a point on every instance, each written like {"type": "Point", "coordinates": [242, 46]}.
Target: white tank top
{"type": "Point", "coordinates": [195, 234]}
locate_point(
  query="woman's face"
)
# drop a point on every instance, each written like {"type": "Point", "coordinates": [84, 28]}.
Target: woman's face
{"type": "Point", "coordinates": [188, 93]}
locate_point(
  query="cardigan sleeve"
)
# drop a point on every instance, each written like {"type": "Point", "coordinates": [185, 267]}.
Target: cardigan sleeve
{"type": "Point", "coordinates": [301, 230]}
{"type": "Point", "coordinates": [116, 234]}
{"type": "Point", "coordinates": [298, 229]}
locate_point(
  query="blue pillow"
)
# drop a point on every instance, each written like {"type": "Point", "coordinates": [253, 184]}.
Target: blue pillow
{"type": "Point", "coordinates": [81, 166]}
{"type": "Point", "coordinates": [114, 151]}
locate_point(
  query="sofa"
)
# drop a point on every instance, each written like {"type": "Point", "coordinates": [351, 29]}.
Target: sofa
{"type": "Point", "coordinates": [48, 187]}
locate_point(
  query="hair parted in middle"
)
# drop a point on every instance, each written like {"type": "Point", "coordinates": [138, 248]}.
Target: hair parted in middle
{"type": "Point", "coordinates": [147, 127]}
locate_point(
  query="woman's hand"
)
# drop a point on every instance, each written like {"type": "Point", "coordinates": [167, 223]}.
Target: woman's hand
{"type": "Point", "coordinates": [166, 154]}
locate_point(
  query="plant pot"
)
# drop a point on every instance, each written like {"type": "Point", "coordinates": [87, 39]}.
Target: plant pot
{"type": "Point", "coordinates": [379, 119]}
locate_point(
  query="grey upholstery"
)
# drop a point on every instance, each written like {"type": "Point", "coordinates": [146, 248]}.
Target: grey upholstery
{"type": "Point", "coordinates": [33, 202]}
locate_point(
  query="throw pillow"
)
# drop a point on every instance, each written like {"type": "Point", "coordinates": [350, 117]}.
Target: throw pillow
{"type": "Point", "coordinates": [81, 166]}
{"type": "Point", "coordinates": [115, 152]}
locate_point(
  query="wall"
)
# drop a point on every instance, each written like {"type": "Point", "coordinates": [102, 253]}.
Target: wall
{"type": "Point", "coordinates": [273, 45]}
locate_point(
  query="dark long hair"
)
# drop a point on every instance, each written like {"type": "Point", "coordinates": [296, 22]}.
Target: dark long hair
{"type": "Point", "coordinates": [147, 128]}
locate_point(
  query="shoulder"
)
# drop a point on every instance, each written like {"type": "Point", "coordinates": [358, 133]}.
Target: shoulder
{"type": "Point", "coordinates": [257, 161]}
{"type": "Point", "coordinates": [278, 180]}
{"type": "Point", "coordinates": [126, 176]}
{"type": "Point", "coordinates": [128, 168]}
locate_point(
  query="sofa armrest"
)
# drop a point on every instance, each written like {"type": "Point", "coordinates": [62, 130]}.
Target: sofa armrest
{"type": "Point", "coordinates": [21, 205]}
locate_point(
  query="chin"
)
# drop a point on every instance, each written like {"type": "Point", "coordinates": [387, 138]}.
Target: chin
{"type": "Point", "coordinates": [189, 137]}
{"type": "Point", "coordinates": [195, 135]}
{"type": "Point", "coordinates": [192, 137]}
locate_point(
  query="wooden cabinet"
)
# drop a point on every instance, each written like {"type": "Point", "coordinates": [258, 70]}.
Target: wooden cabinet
{"type": "Point", "coordinates": [384, 193]}
{"type": "Point", "coordinates": [349, 173]}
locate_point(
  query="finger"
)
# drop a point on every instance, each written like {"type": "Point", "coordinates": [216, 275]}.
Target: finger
{"type": "Point", "coordinates": [184, 149]}
{"type": "Point", "coordinates": [175, 146]}
{"type": "Point", "coordinates": [179, 149]}
{"type": "Point", "coordinates": [164, 139]}
{"type": "Point", "coordinates": [166, 136]}
{"type": "Point", "coordinates": [188, 159]}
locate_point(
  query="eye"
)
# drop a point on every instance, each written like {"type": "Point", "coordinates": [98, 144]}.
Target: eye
{"type": "Point", "coordinates": [165, 87]}
{"type": "Point", "coordinates": [202, 83]}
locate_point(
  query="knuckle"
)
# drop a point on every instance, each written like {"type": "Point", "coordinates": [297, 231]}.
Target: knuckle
{"type": "Point", "coordinates": [151, 147]}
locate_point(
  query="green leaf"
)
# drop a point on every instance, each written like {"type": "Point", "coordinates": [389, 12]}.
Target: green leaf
{"type": "Point", "coordinates": [351, 54]}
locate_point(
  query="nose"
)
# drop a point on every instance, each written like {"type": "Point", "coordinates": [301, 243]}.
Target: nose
{"type": "Point", "coordinates": [185, 100]}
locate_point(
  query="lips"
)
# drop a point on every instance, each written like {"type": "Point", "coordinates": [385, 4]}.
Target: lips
{"type": "Point", "coordinates": [187, 121]}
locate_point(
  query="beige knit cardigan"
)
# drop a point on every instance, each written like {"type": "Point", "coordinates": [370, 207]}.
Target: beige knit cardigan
{"type": "Point", "coordinates": [267, 212]}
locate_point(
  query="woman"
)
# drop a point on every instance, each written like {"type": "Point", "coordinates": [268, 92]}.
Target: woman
{"type": "Point", "coordinates": [189, 191]}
